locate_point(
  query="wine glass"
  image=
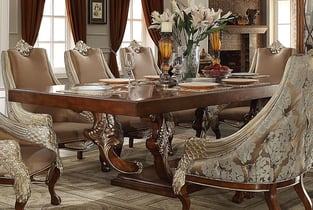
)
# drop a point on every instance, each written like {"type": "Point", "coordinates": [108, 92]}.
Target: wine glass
{"type": "Point", "coordinates": [177, 64]}
{"type": "Point", "coordinates": [129, 65]}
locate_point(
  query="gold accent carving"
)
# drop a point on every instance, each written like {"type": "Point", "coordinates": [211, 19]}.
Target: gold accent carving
{"type": "Point", "coordinates": [23, 48]}
{"type": "Point", "coordinates": [81, 47]}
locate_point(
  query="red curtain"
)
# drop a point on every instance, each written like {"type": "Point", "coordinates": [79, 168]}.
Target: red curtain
{"type": "Point", "coordinates": [31, 12]}
{"type": "Point", "coordinates": [76, 12]}
{"type": "Point", "coordinates": [118, 21]}
{"type": "Point", "coordinates": [148, 7]}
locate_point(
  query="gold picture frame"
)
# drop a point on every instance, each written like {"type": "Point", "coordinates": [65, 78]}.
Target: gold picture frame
{"type": "Point", "coordinates": [97, 11]}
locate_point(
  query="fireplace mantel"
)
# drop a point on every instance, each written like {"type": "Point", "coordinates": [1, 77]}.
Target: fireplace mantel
{"type": "Point", "coordinates": [246, 29]}
{"type": "Point", "coordinates": [243, 38]}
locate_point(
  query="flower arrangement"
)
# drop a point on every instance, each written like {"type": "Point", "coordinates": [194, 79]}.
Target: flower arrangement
{"type": "Point", "coordinates": [191, 24]}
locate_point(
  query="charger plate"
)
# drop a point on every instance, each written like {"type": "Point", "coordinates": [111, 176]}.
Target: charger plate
{"type": "Point", "coordinates": [239, 81]}
{"type": "Point", "coordinates": [91, 87]}
{"type": "Point", "coordinates": [116, 80]}
{"type": "Point", "coordinates": [152, 77]}
{"type": "Point", "coordinates": [243, 74]}
{"type": "Point", "coordinates": [198, 85]}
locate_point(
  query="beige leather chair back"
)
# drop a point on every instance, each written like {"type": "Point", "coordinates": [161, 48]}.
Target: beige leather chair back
{"type": "Point", "coordinates": [271, 61]}
{"type": "Point", "coordinates": [31, 71]}
{"type": "Point", "coordinates": [86, 68]}
{"type": "Point", "coordinates": [144, 60]}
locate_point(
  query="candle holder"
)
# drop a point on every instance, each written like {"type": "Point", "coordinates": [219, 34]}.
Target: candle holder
{"type": "Point", "coordinates": [165, 47]}
{"type": "Point", "coordinates": [216, 46]}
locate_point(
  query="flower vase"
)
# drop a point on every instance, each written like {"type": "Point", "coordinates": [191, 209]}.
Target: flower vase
{"type": "Point", "coordinates": [191, 62]}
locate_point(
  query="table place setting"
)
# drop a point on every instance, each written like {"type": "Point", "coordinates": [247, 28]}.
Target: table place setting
{"type": "Point", "coordinates": [247, 75]}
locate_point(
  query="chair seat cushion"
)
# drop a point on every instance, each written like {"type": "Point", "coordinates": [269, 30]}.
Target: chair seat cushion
{"type": "Point", "coordinates": [134, 126]}
{"type": "Point", "coordinates": [234, 113]}
{"type": "Point", "coordinates": [70, 131]}
{"type": "Point", "coordinates": [184, 116]}
{"type": "Point", "coordinates": [36, 158]}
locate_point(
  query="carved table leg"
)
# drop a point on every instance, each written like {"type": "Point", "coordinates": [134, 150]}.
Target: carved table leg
{"type": "Point", "coordinates": [159, 146]}
{"type": "Point", "coordinates": [106, 133]}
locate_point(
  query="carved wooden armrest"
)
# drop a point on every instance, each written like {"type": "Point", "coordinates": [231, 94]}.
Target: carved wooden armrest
{"type": "Point", "coordinates": [10, 159]}
{"type": "Point", "coordinates": [39, 134]}
{"type": "Point", "coordinates": [17, 112]}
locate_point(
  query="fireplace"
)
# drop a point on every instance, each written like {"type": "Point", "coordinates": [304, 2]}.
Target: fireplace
{"type": "Point", "coordinates": [232, 59]}
{"type": "Point", "coordinates": [239, 44]}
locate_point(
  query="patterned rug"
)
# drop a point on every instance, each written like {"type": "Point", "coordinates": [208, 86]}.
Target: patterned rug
{"type": "Point", "coordinates": [84, 187]}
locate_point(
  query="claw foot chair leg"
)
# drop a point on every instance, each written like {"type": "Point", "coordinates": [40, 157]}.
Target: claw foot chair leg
{"type": "Point", "coordinates": [79, 155]}
{"type": "Point", "coordinates": [184, 198]}
{"type": "Point", "coordinates": [19, 205]}
{"type": "Point", "coordinates": [54, 176]}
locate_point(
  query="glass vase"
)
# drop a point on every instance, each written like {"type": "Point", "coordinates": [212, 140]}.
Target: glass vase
{"type": "Point", "coordinates": [191, 62]}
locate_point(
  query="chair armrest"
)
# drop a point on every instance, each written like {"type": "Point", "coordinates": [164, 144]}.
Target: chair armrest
{"type": "Point", "coordinates": [10, 159]}
{"type": "Point", "coordinates": [32, 133]}
{"type": "Point", "coordinates": [18, 113]}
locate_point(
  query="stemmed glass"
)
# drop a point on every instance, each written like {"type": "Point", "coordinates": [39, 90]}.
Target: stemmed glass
{"type": "Point", "coordinates": [129, 65]}
{"type": "Point", "coordinates": [177, 64]}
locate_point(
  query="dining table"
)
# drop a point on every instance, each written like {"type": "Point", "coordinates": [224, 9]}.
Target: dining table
{"type": "Point", "coordinates": [150, 102]}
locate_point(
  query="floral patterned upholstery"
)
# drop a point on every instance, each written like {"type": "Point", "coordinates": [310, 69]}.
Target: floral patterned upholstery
{"type": "Point", "coordinates": [25, 152]}
{"type": "Point", "coordinates": [273, 147]}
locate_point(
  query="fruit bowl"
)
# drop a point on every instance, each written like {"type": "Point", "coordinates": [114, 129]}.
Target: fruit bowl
{"type": "Point", "coordinates": [216, 71]}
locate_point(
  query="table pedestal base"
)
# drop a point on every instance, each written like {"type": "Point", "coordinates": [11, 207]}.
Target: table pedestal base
{"type": "Point", "coordinates": [148, 181]}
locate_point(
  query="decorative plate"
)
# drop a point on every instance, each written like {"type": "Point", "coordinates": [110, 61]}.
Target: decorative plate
{"type": "Point", "coordinates": [91, 87]}
{"type": "Point", "coordinates": [239, 81]}
{"type": "Point", "coordinates": [198, 85]}
{"type": "Point", "coordinates": [243, 74]}
{"type": "Point", "coordinates": [152, 77]}
{"type": "Point", "coordinates": [116, 80]}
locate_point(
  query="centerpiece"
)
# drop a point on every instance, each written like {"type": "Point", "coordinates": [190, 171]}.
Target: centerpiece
{"type": "Point", "coordinates": [191, 25]}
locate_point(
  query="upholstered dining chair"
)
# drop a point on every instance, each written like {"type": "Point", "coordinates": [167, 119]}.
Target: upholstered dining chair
{"type": "Point", "coordinates": [28, 153]}
{"type": "Point", "coordinates": [147, 66]}
{"type": "Point", "coordinates": [28, 67]}
{"type": "Point", "coordinates": [144, 60]}
{"type": "Point", "coordinates": [85, 64]}
{"type": "Point", "coordinates": [269, 61]}
{"type": "Point", "coordinates": [272, 151]}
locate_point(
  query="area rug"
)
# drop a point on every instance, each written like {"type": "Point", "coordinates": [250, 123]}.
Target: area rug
{"type": "Point", "coordinates": [84, 187]}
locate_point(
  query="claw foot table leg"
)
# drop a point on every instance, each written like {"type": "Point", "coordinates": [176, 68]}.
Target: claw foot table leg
{"type": "Point", "coordinates": [106, 133]}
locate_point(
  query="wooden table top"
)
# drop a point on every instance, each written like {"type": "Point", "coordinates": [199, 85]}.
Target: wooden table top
{"type": "Point", "coordinates": [141, 100]}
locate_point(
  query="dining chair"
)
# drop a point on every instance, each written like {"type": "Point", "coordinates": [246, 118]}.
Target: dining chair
{"type": "Point", "coordinates": [144, 60]}
{"type": "Point", "coordinates": [272, 151]}
{"type": "Point", "coordinates": [28, 67]}
{"type": "Point", "coordinates": [145, 65]}
{"type": "Point", "coordinates": [85, 64]}
{"type": "Point", "coordinates": [28, 153]}
{"type": "Point", "coordinates": [269, 61]}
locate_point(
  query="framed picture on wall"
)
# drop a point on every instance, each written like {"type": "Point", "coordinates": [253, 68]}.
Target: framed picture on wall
{"type": "Point", "coordinates": [97, 11]}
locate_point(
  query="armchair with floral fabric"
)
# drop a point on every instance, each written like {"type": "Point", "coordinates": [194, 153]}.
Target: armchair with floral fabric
{"type": "Point", "coordinates": [274, 150]}
{"type": "Point", "coordinates": [28, 153]}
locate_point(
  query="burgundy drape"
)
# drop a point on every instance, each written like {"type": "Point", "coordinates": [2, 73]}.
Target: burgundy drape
{"type": "Point", "coordinates": [76, 12]}
{"type": "Point", "coordinates": [31, 12]}
{"type": "Point", "coordinates": [148, 7]}
{"type": "Point", "coordinates": [118, 21]}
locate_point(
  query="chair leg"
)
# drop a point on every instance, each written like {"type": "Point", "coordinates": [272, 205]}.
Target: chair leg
{"type": "Point", "coordinates": [20, 205]}
{"type": "Point", "coordinates": [131, 142]}
{"type": "Point", "coordinates": [271, 198]}
{"type": "Point", "coordinates": [184, 198]}
{"type": "Point", "coordinates": [303, 195]}
{"type": "Point", "coordinates": [79, 155]}
{"type": "Point", "coordinates": [53, 178]}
